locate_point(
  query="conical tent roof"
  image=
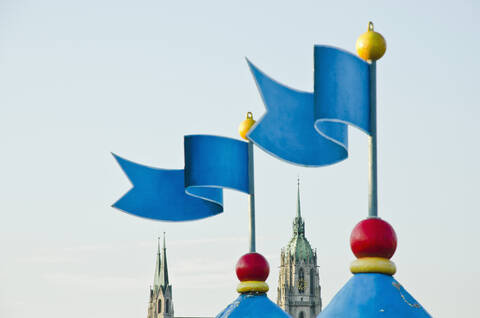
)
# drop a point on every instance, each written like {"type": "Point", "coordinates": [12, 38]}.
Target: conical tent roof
{"type": "Point", "coordinates": [252, 270]}
{"type": "Point", "coordinates": [373, 295]}
{"type": "Point", "coordinates": [253, 306]}
{"type": "Point", "coordinates": [372, 291]}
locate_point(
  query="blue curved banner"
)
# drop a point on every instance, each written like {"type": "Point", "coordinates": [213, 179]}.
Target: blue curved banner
{"type": "Point", "coordinates": [211, 163]}
{"type": "Point", "coordinates": [311, 129]}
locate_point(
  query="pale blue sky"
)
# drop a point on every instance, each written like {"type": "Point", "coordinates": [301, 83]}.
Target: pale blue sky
{"type": "Point", "coordinates": [79, 79]}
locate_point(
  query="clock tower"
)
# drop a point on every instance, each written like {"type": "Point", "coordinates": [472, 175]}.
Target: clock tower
{"type": "Point", "coordinates": [298, 281]}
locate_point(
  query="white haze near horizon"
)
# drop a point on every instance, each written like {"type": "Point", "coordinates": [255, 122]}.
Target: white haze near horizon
{"type": "Point", "coordinates": [79, 79]}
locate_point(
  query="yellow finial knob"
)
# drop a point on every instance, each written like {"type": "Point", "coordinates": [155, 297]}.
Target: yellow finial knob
{"type": "Point", "coordinates": [371, 45]}
{"type": "Point", "coordinates": [246, 125]}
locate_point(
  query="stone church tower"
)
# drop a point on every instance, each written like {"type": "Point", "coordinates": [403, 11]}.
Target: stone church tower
{"type": "Point", "coordinates": [298, 281]}
{"type": "Point", "coordinates": [161, 304]}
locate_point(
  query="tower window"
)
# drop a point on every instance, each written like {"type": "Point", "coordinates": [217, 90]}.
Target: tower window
{"type": "Point", "coordinates": [159, 306]}
{"type": "Point", "coordinates": [301, 281]}
{"type": "Point", "coordinates": [167, 305]}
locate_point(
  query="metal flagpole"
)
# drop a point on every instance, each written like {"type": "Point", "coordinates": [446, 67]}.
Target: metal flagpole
{"type": "Point", "coordinates": [251, 186]}
{"type": "Point", "coordinates": [372, 195]}
{"type": "Point", "coordinates": [370, 47]}
{"type": "Point", "coordinates": [243, 130]}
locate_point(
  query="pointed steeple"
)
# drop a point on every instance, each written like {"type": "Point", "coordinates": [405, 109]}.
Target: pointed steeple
{"type": "Point", "coordinates": [156, 277]}
{"type": "Point", "coordinates": [161, 302]}
{"type": "Point", "coordinates": [298, 224]}
{"type": "Point", "coordinates": [299, 215]}
{"type": "Point", "coordinates": [163, 266]}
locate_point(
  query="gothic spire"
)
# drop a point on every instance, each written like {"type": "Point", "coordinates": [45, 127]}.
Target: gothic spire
{"type": "Point", "coordinates": [163, 266]}
{"type": "Point", "coordinates": [298, 224]}
{"type": "Point", "coordinates": [298, 198]}
{"type": "Point", "coordinates": [156, 278]}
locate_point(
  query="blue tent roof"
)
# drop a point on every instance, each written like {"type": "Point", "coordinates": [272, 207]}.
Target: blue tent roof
{"type": "Point", "coordinates": [253, 305]}
{"type": "Point", "coordinates": [373, 295]}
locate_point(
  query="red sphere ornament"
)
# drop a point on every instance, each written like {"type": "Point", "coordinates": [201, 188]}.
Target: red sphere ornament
{"type": "Point", "coordinates": [252, 267]}
{"type": "Point", "coordinates": [373, 237]}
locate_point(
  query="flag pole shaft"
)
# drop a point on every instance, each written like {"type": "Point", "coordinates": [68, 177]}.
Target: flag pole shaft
{"type": "Point", "coordinates": [372, 195]}
{"type": "Point", "coordinates": [251, 185]}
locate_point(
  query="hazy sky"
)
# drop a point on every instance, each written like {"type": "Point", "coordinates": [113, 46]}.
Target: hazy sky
{"type": "Point", "coordinates": [79, 79]}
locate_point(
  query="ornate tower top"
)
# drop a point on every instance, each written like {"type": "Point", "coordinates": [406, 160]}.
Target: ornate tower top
{"type": "Point", "coordinates": [299, 247]}
{"type": "Point", "coordinates": [299, 291]}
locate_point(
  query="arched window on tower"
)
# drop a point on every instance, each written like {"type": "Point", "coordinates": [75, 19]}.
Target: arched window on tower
{"type": "Point", "coordinates": [301, 315]}
{"type": "Point", "coordinates": [312, 281]}
{"type": "Point", "coordinates": [159, 309]}
{"type": "Point", "coordinates": [167, 306]}
{"type": "Point", "coordinates": [301, 281]}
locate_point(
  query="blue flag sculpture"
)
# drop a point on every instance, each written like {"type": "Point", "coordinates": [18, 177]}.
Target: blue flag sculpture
{"type": "Point", "coordinates": [311, 128]}
{"type": "Point", "coordinates": [211, 163]}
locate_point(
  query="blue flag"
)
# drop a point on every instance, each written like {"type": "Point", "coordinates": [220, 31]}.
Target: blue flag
{"type": "Point", "coordinates": [211, 163]}
{"type": "Point", "coordinates": [311, 129]}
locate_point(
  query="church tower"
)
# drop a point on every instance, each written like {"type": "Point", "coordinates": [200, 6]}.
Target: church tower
{"type": "Point", "coordinates": [298, 281]}
{"type": "Point", "coordinates": [161, 304]}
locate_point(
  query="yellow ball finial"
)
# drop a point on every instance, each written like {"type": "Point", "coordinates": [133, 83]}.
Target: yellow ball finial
{"type": "Point", "coordinates": [371, 45]}
{"type": "Point", "coordinates": [246, 125]}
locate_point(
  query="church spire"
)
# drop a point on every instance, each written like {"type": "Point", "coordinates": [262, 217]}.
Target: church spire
{"type": "Point", "coordinates": [156, 278]}
{"type": "Point", "coordinates": [299, 215]}
{"type": "Point", "coordinates": [160, 279]}
{"type": "Point", "coordinates": [161, 302]}
{"type": "Point", "coordinates": [298, 224]}
{"type": "Point", "coordinates": [163, 266]}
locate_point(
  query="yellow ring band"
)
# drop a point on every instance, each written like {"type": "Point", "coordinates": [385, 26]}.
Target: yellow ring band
{"type": "Point", "coordinates": [252, 286]}
{"type": "Point", "coordinates": [373, 265]}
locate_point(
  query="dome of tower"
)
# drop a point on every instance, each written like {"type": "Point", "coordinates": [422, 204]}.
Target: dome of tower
{"type": "Point", "coordinates": [299, 248]}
